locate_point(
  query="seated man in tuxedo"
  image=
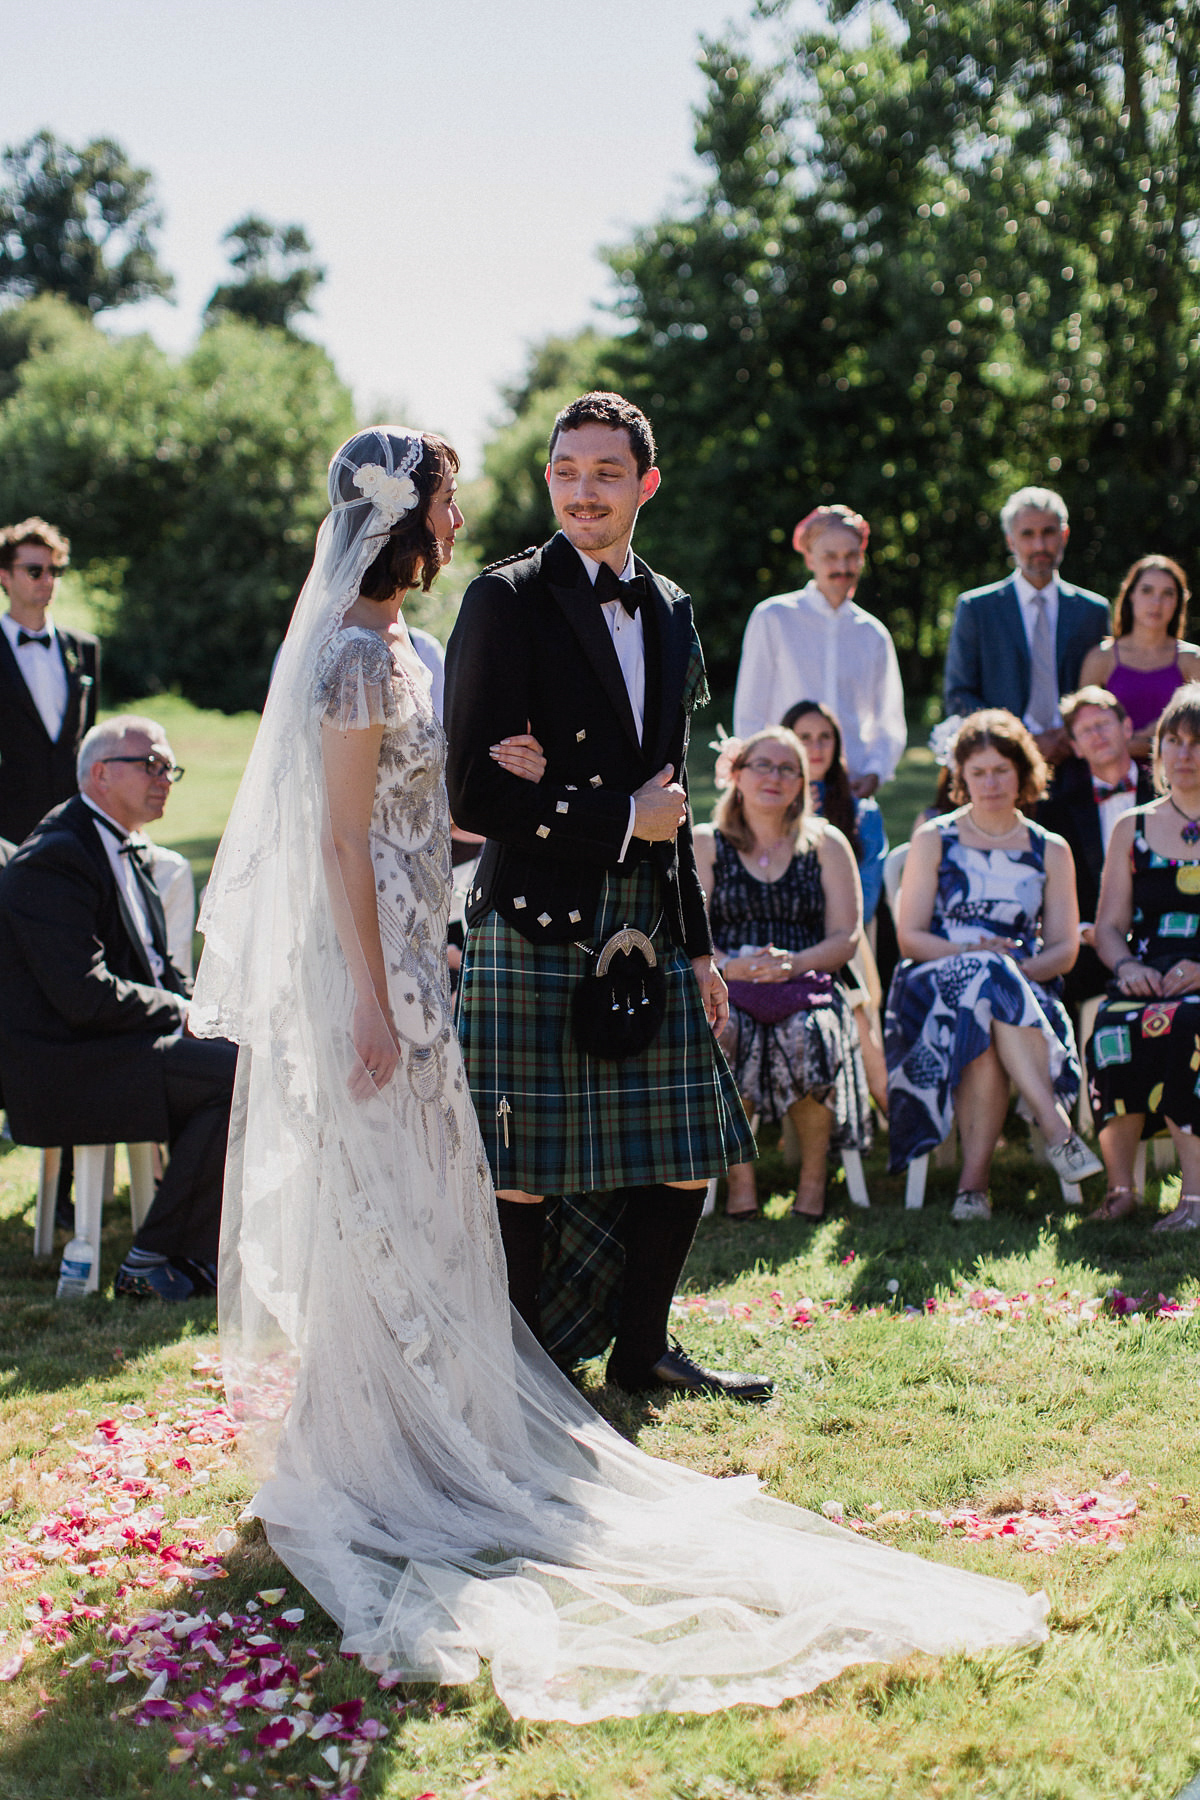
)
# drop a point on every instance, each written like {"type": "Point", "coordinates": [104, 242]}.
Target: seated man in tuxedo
{"type": "Point", "coordinates": [1098, 784]}
{"type": "Point", "coordinates": [94, 1045]}
{"type": "Point", "coordinates": [47, 680]}
{"type": "Point", "coordinates": [1020, 642]}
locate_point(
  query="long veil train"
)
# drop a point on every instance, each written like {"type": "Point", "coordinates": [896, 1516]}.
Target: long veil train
{"type": "Point", "coordinates": [426, 1472]}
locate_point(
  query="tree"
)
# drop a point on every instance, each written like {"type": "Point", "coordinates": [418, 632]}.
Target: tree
{"type": "Point", "coordinates": [198, 485]}
{"type": "Point", "coordinates": [79, 223]}
{"type": "Point", "coordinates": [276, 279]}
{"type": "Point", "coordinates": [934, 260]}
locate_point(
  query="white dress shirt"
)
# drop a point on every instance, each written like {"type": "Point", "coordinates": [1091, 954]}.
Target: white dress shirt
{"type": "Point", "coordinates": [1027, 597]}
{"type": "Point", "coordinates": [798, 647]}
{"type": "Point", "coordinates": [127, 882]}
{"type": "Point", "coordinates": [630, 645]}
{"type": "Point", "coordinates": [43, 672]}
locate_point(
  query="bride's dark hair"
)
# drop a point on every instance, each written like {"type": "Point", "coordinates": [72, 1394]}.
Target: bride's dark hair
{"type": "Point", "coordinates": [409, 554]}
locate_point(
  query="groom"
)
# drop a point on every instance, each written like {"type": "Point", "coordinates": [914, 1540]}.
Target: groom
{"type": "Point", "coordinates": [582, 644]}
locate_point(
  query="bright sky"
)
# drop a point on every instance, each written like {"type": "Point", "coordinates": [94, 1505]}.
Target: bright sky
{"type": "Point", "coordinates": [457, 163]}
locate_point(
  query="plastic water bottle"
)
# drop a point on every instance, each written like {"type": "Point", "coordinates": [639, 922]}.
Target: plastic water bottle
{"type": "Point", "coordinates": [76, 1269]}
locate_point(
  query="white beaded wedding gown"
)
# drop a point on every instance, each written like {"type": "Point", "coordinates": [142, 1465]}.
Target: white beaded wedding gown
{"type": "Point", "coordinates": [428, 1475]}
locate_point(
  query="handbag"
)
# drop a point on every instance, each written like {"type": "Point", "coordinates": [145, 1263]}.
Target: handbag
{"type": "Point", "coordinates": [771, 1002]}
{"type": "Point", "coordinates": [618, 1008]}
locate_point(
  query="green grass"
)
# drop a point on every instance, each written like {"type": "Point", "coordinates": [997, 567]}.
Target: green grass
{"type": "Point", "coordinates": [881, 1410]}
{"type": "Point", "coordinates": [877, 1409]}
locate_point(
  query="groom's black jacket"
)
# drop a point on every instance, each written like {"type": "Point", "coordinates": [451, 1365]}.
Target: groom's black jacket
{"type": "Point", "coordinates": [531, 651]}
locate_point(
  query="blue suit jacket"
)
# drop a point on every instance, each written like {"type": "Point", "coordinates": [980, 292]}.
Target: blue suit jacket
{"type": "Point", "coordinates": [987, 659]}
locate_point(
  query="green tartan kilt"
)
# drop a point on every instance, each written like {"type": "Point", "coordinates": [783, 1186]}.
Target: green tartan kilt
{"type": "Point", "coordinates": [573, 1121]}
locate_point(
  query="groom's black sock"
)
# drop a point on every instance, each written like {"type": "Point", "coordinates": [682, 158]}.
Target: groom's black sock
{"type": "Point", "coordinates": [659, 1225]}
{"type": "Point", "coordinates": [521, 1223]}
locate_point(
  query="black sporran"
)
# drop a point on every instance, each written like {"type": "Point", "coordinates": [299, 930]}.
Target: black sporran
{"type": "Point", "coordinates": [618, 1008]}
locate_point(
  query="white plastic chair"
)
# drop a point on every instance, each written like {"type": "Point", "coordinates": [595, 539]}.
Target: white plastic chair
{"type": "Point", "coordinates": [94, 1171]}
{"type": "Point", "coordinates": [856, 1185]}
{"type": "Point", "coordinates": [918, 1173]}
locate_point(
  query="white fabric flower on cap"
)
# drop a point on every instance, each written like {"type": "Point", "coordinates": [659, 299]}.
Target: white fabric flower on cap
{"type": "Point", "coordinates": [391, 495]}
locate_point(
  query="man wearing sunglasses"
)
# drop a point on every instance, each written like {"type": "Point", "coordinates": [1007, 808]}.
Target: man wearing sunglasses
{"type": "Point", "coordinates": [94, 1047]}
{"type": "Point", "coordinates": [47, 680]}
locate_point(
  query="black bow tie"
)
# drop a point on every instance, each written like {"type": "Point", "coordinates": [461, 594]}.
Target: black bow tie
{"type": "Point", "coordinates": [33, 637]}
{"type": "Point", "coordinates": [1103, 790]}
{"type": "Point", "coordinates": [630, 593]}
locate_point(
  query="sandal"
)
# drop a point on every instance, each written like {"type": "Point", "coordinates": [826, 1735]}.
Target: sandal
{"type": "Point", "coordinates": [1186, 1216]}
{"type": "Point", "coordinates": [1118, 1203]}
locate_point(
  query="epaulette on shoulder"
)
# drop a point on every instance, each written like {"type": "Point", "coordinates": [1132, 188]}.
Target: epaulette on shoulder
{"type": "Point", "coordinates": [506, 561]}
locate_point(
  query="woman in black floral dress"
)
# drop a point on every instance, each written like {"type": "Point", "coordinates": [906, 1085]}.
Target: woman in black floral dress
{"type": "Point", "coordinates": [1144, 1055]}
{"type": "Point", "coordinates": [786, 911]}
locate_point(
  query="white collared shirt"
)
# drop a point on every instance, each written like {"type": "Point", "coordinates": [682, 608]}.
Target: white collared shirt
{"type": "Point", "coordinates": [630, 645]}
{"type": "Point", "coordinates": [43, 673]}
{"type": "Point", "coordinates": [127, 881]}
{"type": "Point", "coordinates": [1027, 598]}
{"type": "Point", "coordinates": [798, 647]}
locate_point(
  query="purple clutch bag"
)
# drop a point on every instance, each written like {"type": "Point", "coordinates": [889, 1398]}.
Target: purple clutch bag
{"type": "Point", "coordinates": [770, 1002]}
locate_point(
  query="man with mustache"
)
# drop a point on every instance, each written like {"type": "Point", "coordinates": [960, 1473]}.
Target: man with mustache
{"type": "Point", "coordinates": [582, 644]}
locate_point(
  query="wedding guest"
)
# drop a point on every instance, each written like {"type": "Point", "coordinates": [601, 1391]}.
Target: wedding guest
{"type": "Point", "coordinates": [857, 818]}
{"type": "Point", "coordinates": [786, 914]}
{"type": "Point", "coordinates": [1096, 786]}
{"type": "Point", "coordinates": [1020, 642]}
{"type": "Point", "coordinates": [94, 1045]}
{"type": "Point", "coordinates": [1146, 659]}
{"type": "Point", "coordinates": [1141, 1056]}
{"type": "Point", "coordinates": [987, 922]}
{"type": "Point", "coordinates": [818, 641]}
{"type": "Point", "coordinates": [48, 679]}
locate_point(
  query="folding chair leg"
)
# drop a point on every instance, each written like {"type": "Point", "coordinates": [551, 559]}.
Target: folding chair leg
{"type": "Point", "coordinates": [914, 1187]}
{"type": "Point", "coordinates": [856, 1185]}
{"type": "Point", "coordinates": [47, 1199]}
{"type": "Point", "coordinates": [141, 1182]}
{"type": "Point", "coordinates": [90, 1168]}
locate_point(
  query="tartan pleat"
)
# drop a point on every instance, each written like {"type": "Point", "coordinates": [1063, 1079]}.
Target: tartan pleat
{"type": "Point", "coordinates": [575, 1122]}
{"type": "Point", "coordinates": [583, 1264]}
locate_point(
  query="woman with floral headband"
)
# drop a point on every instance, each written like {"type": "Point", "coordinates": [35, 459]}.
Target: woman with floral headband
{"type": "Point", "coordinates": [428, 1474]}
{"type": "Point", "coordinates": [819, 643]}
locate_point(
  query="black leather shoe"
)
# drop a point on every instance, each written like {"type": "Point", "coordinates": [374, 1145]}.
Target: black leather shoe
{"type": "Point", "coordinates": [161, 1282]}
{"type": "Point", "coordinates": [675, 1369]}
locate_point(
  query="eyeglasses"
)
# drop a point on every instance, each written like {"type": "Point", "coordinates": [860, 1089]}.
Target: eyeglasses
{"type": "Point", "coordinates": [760, 766]}
{"type": "Point", "coordinates": [35, 571]}
{"type": "Point", "coordinates": [153, 764]}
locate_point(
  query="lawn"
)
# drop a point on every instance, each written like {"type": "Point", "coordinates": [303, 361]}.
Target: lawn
{"type": "Point", "coordinates": [1015, 1397]}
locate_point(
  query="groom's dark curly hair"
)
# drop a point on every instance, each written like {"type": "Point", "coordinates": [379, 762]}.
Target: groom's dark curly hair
{"type": "Point", "coordinates": [410, 555]}
{"type": "Point", "coordinates": [601, 408]}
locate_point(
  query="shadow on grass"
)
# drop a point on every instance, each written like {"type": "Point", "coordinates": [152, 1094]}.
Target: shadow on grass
{"type": "Point", "coordinates": [47, 1344]}
{"type": "Point", "coordinates": [924, 1252]}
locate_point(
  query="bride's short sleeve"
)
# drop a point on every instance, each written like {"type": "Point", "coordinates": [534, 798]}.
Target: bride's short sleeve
{"type": "Point", "coordinates": [357, 683]}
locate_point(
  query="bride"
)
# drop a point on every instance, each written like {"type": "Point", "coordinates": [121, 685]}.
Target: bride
{"type": "Point", "coordinates": [426, 1472]}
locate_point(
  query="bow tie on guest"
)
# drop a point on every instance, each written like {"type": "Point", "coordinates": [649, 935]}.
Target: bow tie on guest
{"type": "Point", "coordinates": [1103, 790]}
{"type": "Point", "coordinates": [33, 637]}
{"type": "Point", "coordinates": [630, 593]}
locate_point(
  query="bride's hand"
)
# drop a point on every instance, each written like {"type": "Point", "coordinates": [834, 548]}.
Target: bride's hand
{"type": "Point", "coordinates": [378, 1053]}
{"type": "Point", "coordinates": [521, 756]}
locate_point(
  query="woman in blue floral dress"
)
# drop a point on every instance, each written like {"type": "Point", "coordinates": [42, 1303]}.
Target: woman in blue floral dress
{"type": "Point", "coordinates": [988, 921]}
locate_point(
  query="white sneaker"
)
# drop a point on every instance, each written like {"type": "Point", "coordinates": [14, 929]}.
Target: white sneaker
{"type": "Point", "coordinates": [1072, 1160]}
{"type": "Point", "coordinates": [970, 1203]}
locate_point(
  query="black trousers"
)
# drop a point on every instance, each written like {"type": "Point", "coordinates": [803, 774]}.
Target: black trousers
{"type": "Point", "coordinates": [185, 1219]}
